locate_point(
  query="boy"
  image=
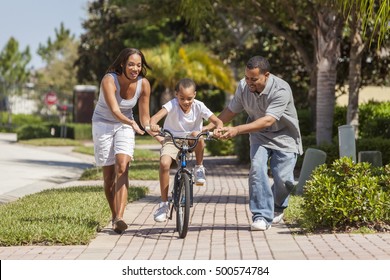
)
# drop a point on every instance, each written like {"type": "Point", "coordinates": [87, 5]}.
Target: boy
{"type": "Point", "coordinates": [184, 116]}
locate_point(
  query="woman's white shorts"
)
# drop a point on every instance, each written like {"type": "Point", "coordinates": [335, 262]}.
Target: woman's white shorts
{"type": "Point", "coordinates": [112, 139]}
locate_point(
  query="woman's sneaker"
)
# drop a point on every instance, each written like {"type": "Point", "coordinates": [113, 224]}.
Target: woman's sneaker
{"type": "Point", "coordinates": [200, 177]}
{"type": "Point", "coordinates": [161, 214]}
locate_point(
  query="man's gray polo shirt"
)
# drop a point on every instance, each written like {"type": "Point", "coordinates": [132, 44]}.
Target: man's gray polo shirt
{"type": "Point", "coordinates": [275, 100]}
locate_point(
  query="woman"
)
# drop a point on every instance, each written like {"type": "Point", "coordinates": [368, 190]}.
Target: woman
{"type": "Point", "coordinates": [114, 127]}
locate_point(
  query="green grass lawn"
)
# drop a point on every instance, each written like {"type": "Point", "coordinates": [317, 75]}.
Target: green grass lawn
{"type": "Point", "coordinates": [139, 140]}
{"type": "Point", "coordinates": [72, 215]}
{"type": "Point", "coordinates": [145, 140]}
{"type": "Point", "coordinates": [69, 216]}
{"type": "Point", "coordinates": [51, 142]}
{"type": "Point", "coordinates": [144, 167]}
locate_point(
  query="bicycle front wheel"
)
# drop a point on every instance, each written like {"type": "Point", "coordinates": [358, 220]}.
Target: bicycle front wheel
{"type": "Point", "coordinates": [183, 209]}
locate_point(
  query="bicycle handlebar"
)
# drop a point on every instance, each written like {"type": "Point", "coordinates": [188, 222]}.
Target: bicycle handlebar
{"type": "Point", "coordinates": [165, 132]}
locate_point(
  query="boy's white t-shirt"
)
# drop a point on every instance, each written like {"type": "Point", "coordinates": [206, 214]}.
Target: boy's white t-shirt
{"type": "Point", "coordinates": [181, 124]}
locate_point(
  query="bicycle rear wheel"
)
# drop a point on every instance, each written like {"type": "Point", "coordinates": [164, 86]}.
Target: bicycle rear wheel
{"type": "Point", "coordinates": [184, 204]}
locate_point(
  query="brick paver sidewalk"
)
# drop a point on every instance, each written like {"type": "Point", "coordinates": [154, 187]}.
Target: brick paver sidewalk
{"type": "Point", "coordinates": [219, 230]}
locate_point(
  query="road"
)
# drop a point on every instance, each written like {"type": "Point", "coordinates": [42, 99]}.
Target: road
{"type": "Point", "coordinates": [28, 169]}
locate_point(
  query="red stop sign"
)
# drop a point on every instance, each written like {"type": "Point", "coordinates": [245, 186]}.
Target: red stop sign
{"type": "Point", "coordinates": [51, 98]}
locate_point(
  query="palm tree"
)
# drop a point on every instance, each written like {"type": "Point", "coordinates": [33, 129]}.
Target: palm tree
{"type": "Point", "coordinates": [324, 20]}
{"type": "Point", "coordinates": [174, 61]}
{"type": "Point", "coordinates": [361, 12]}
{"type": "Point", "coordinates": [329, 24]}
{"type": "Point", "coordinates": [370, 10]}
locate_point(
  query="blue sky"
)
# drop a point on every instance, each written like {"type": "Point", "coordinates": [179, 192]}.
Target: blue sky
{"type": "Point", "coordinates": [32, 22]}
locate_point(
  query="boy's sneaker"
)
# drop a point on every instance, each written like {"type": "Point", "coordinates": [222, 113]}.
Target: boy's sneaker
{"type": "Point", "coordinates": [260, 224]}
{"type": "Point", "coordinates": [161, 214]}
{"type": "Point", "coordinates": [278, 216]}
{"type": "Point", "coordinates": [200, 178]}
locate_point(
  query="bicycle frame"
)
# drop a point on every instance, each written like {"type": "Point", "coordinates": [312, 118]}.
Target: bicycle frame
{"type": "Point", "coordinates": [182, 144]}
{"type": "Point", "coordinates": [182, 191]}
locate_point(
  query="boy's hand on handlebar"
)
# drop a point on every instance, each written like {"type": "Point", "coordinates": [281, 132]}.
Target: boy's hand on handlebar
{"type": "Point", "coordinates": [153, 128]}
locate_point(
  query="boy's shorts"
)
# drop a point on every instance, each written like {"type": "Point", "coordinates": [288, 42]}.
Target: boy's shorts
{"type": "Point", "coordinates": [168, 148]}
{"type": "Point", "coordinates": [112, 139]}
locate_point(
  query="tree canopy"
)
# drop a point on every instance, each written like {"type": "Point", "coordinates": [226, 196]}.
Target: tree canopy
{"type": "Point", "coordinates": [60, 55]}
{"type": "Point", "coordinates": [13, 63]}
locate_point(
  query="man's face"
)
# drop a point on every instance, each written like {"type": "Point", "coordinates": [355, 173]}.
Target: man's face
{"type": "Point", "coordinates": [255, 80]}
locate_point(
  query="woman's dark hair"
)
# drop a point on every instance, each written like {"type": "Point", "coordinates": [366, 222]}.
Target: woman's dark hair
{"type": "Point", "coordinates": [259, 62]}
{"type": "Point", "coordinates": [120, 62]}
{"type": "Point", "coordinates": [185, 83]}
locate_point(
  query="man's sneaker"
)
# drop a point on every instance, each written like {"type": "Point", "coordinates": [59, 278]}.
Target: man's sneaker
{"type": "Point", "coordinates": [200, 178]}
{"type": "Point", "coordinates": [161, 213]}
{"type": "Point", "coordinates": [260, 224]}
{"type": "Point", "coordinates": [278, 216]}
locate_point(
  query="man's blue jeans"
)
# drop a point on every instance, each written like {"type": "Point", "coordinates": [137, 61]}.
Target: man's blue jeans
{"type": "Point", "coordinates": [261, 195]}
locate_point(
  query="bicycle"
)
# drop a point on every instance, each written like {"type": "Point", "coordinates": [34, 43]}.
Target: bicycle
{"type": "Point", "coordinates": [182, 190]}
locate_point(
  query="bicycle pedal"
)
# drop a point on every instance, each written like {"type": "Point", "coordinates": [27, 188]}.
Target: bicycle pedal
{"type": "Point", "coordinates": [200, 184]}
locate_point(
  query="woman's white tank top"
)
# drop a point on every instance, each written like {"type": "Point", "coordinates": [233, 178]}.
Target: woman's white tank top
{"type": "Point", "coordinates": [103, 114]}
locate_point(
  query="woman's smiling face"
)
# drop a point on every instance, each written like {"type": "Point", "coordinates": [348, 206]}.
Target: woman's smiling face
{"type": "Point", "coordinates": [133, 66]}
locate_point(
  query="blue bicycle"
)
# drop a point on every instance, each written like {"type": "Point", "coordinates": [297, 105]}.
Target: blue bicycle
{"type": "Point", "coordinates": [182, 191]}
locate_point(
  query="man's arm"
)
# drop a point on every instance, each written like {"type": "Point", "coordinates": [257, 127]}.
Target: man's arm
{"type": "Point", "coordinates": [259, 124]}
{"type": "Point", "coordinates": [226, 115]}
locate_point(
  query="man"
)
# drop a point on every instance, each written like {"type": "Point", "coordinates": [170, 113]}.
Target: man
{"type": "Point", "coordinates": [274, 137]}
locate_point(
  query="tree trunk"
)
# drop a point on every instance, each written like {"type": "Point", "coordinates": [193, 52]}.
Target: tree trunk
{"type": "Point", "coordinates": [328, 52]}
{"type": "Point", "coordinates": [354, 75]}
{"type": "Point", "coordinates": [312, 96]}
{"type": "Point", "coordinates": [325, 100]}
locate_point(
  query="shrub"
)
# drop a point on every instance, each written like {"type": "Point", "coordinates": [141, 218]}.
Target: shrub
{"type": "Point", "coordinates": [339, 118]}
{"type": "Point", "coordinates": [374, 119]}
{"type": "Point", "coordinates": [331, 150]}
{"type": "Point", "coordinates": [213, 98]}
{"type": "Point", "coordinates": [80, 131]}
{"type": "Point", "coordinates": [44, 130]}
{"type": "Point", "coordinates": [220, 147]}
{"type": "Point", "coordinates": [32, 131]}
{"type": "Point", "coordinates": [17, 121]}
{"type": "Point", "coordinates": [22, 119]}
{"type": "Point", "coordinates": [347, 195]}
{"type": "Point", "coordinates": [242, 148]}
{"type": "Point", "coordinates": [375, 144]}
{"type": "Point", "coordinates": [241, 142]}
{"type": "Point", "coordinates": [305, 121]}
